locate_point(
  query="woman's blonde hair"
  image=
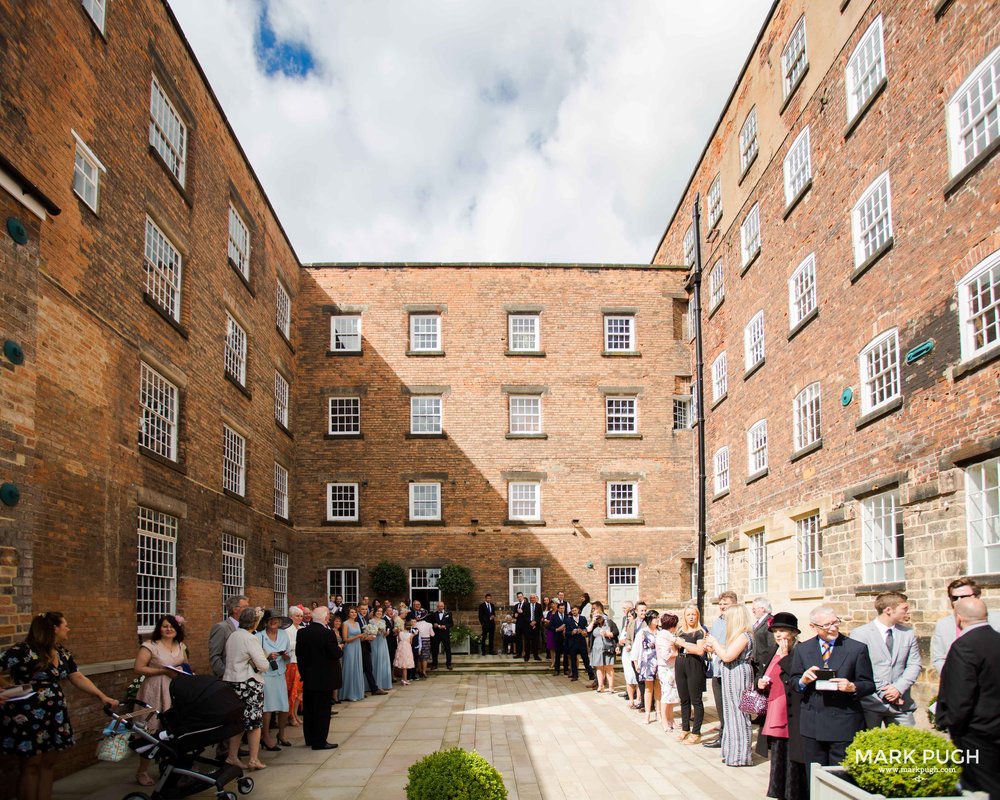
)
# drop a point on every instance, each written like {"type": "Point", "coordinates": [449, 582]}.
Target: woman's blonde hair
{"type": "Point", "coordinates": [697, 619]}
{"type": "Point", "coordinates": [738, 622]}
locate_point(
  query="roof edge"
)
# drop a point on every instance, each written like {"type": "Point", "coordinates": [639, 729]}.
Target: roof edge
{"type": "Point", "coordinates": [474, 264]}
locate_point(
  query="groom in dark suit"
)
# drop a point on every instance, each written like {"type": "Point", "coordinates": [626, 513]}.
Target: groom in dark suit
{"type": "Point", "coordinates": [532, 627]}
{"type": "Point", "coordinates": [487, 620]}
{"type": "Point", "coordinates": [318, 656]}
{"type": "Point", "coordinates": [442, 622]}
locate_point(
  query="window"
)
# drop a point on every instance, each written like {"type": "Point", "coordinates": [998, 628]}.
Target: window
{"type": "Point", "coordinates": [523, 333]}
{"type": "Point", "coordinates": [236, 351]}
{"type": "Point", "coordinates": [715, 201]}
{"type": "Point", "coordinates": [527, 580]}
{"type": "Point", "coordinates": [239, 243]}
{"type": "Point", "coordinates": [871, 220]}
{"type": "Point", "coordinates": [809, 574]}
{"type": "Point", "coordinates": [694, 580]}
{"type": "Point", "coordinates": [234, 551]}
{"type": "Point", "coordinates": [757, 447]}
{"type": "Point", "coordinates": [689, 246]}
{"type": "Point", "coordinates": [343, 582]}
{"type": "Point", "coordinates": [280, 399]}
{"type": "Point", "coordinates": [750, 235]}
{"type": "Point", "coordinates": [345, 415]}
{"type": "Point", "coordinates": [167, 133]}
{"type": "Point", "coordinates": [982, 516]}
{"type": "Point", "coordinates": [234, 452]}
{"type": "Point", "coordinates": [342, 502]}
{"type": "Point", "coordinates": [280, 491]}
{"type": "Point", "coordinates": [163, 271]}
{"type": "Point", "coordinates": [694, 403]}
{"type": "Point", "coordinates": [283, 304]}
{"type": "Point", "coordinates": [974, 113]}
{"type": "Point", "coordinates": [721, 461]}
{"type": "Point", "coordinates": [802, 291]}
{"type": "Point", "coordinates": [720, 377]}
{"type": "Point", "coordinates": [797, 166]}
{"type": "Point", "coordinates": [525, 414]}
{"type": "Point", "coordinates": [425, 332]}
{"type": "Point", "coordinates": [716, 286]}
{"type": "Point", "coordinates": [882, 538]}
{"type": "Point", "coordinates": [865, 68]}
{"type": "Point", "coordinates": [97, 10]}
{"type": "Point", "coordinates": [425, 501]}
{"type": "Point", "coordinates": [158, 401]}
{"type": "Point", "coordinates": [748, 140]}
{"type": "Point", "coordinates": [619, 334]}
{"type": "Point", "coordinates": [524, 501]}
{"type": "Point", "coordinates": [757, 563]}
{"type": "Point", "coordinates": [979, 308]}
{"type": "Point", "coordinates": [621, 415]}
{"type": "Point", "coordinates": [806, 413]}
{"type": "Point", "coordinates": [280, 581]}
{"type": "Point", "coordinates": [156, 568]}
{"type": "Point", "coordinates": [721, 559]}
{"type": "Point", "coordinates": [87, 171]}
{"type": "Point", "coordinates": [879, 363]}
{"type": "Point", "coordinates": [345, 333]}
{"type": "Point", "coordinates": [425, 415]}
{"type": "Point", "coordinates": [793, 57]}
{"type": "Point", "coordinates": [623, 500]}
{"type": "Point", "coordinates": [753, 342]}
{"type": "Point", "coordinates": [683, 416]}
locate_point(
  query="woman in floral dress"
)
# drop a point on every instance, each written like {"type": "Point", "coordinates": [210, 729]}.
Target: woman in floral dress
{"type": "Point", "coordinates": [647, 667]}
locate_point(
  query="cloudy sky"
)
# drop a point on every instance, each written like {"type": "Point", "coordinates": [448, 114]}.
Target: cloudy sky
{"type": "Point", "coordinates": [467, 130]}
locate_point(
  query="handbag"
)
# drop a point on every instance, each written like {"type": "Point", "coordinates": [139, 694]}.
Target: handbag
{"type": "Point", "coordinates": [752, 702]}
{"type": "Point", "coordinates": [113, 747]}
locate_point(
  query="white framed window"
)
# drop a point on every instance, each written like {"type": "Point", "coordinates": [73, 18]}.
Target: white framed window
{"type": "Point", "coordinates": [280, 491]}
{"type": "Point", "coordinates": [683, 413]}
{"type": "Point", "coordinates": [721, 472]}
{"type": "Point", "coordinates": [426, 415]}
{"type": "Point", "coordinates": [809, 573]}
{"type": "Point", "coordinates": [87, 170]}
{"type": "Point", "coordinates": [234, 553]}
{"type": "Point", "coordinates": [979, 308]}
{"type": "Point", "coordinates": [802, 291]}
{"type": "Point", "coordinates": [156, 568]}
{"type": "Point", "coordinates": [720, 377]}
{"type": "Point", "coordinates": [974, 113]}
{"type": "Point", "coordinates": [871, 219]}
{"type": "Point", "coordinates": [793, 57]}
{"type": "Point", "coordinates": [527, 580]}
{"type": "Point", "coordinates": [689, 246]}
{"type": "Point", "coordinates": [345, 415]}
{"type": "Point", "coordinates": [757, 447]}
{"type": "Point", "coordinates": [280, 581]}
{"type": "Point", "coordinates": [525, 414]}
{"type": "Point", "coordinates": [619, 333]}
{"type": "Point", "coordinates": [879, 365]}
{"type": "Point", "coordinates": [167, 133]}
{"type": "Point", "coordinates": [343, 582]}
{"type": "Point", "coordinates": [425, 333]}
{"type": "Point", "coordinates": [524, 333]}
{"type": "Point", "coordinates": [716, 286]}
{"type": "Point", "coordinates": [623, 586]}
{"type": "Point", "coordinates": [865, 68]}
{"type": "Point", "coordinates": [623, 500]}
{"type": "Point", "coordinates": [694, 403]}
{"type": "Point", "coordinates": [345, 333]}
{"type": "Point", "coordinates": [757, 563]}
{"type": "Point", "coordinates": [234, 461]}
{"type": "Point", "coordinates": [982, 516]}
{"type": "Point", "coordinates": [715, 201]}
{"type": "Point", "coordinates": [342, 502]}
{"type": "Point", "coordinates": [283, 306]}
{"type": "Point", "coordinates": [694, 580]}
{"type": "Point", "coordinates": [797, 166]}
{"type": "Point", "coordinates": [720, 554]}
{"type": "Point", "coordinates": [882, 538]}
{"type": "Point", "coordinates": [280, 398]}
{"type": "Point", "coordinates": [753, 341]}
{"type": "Point", "coordinates": [806, 416]}
{"type": "Point", "coordinates": [158, 402]}
{"type": "Point", "coordinates": [748, 140]}
{"type": "Point", "coordinates": [236, 350]}
{"type": "Point", "coordinates": [97, 10]}
{"type": "Point", "coordinates": [750, 235]}
{"type": "Point", "coordinates": [621, 415]}
{"type": "Point", "coordinates": [524, 501]}
{"type": "Point", "coordinates": [163, 270]}
{"type": "Point", "coordinates": [239, 242]}
{"type": "Point", "coordinates": [425, 501]}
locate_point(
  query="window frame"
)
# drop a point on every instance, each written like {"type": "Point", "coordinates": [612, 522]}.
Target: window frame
{"type": "Point", "coordinates": [797, 166]}
{"type": "Point", "coordinates": [958, 158]}
{"type": "Point", "coordinates": [983, 555]}
{"type": "Point", "coordinates": [436, 517]}
{"type": "Point", "coordinates": [158, 138]}
{"type": "Point", "coordinates": [95, 9]}
{"type": "Point", "coordinates": [989, 267]}
{"type": "Point", "coordinates": [234, 557]}
{"type": "Point", "coordinates": [282, 394]}
{"type": "Point", "coordinates": [521, 415]}
{"type": "Point", "coordinates": [757, 460]}
{"type": "Point", "coordinates": [512, 319]}
{"type": "Point", "coordinates": [237, 345]}
{"type": "Point", "coordinates": [683, 408]}
{"type": "Point", "coordinates": [750, 236]}
{"type": "Point", "coordinates": [347, 416]}
{"type": "Point", "coordinates": [414, 399]}
{"type": "Point", "coordinates": [720, 377]}
{"type": "Point", "coordinates": [808, 552]}
{"type": "Point", "coordinates": [756, 563]}
{"type": "Point", "coordinates": [239, 228]}
{"type": "Point", "coordinates": [283, 310]}
{"type": "Point", "coordinates": [339, 336]}
{"type": "Point", "coordinates": [716, 286]}
{"type": "Point", "coordinates": [512, 488]}
{"type": "Point", "coordinates": [791, 73]}
{"type": "Point", "coordinates": [610, 337]}
{"type": "Point", "coordinates": [715, 202]}
{"type": "Point", "coordinates": [234, 461]}
{"type": "Point", "coordinates": [344, 586]}
{"type": "Point", "coordinates": [355, 501]}
{"type": "Point", "coordinates": [621, 414]}
{"type": "Point", "coordinates": [415, 319]}
{"type": "Point", "coordinates": [720, 558]}
{"type": "Point", "coordinates": [869, 380]}
{"type": "Point", "coordinates": [796, 294]}
{"type": "Point", "coordinates": [160, 531]}
{"type": "Point", "coordinates": [862, 253]}
{"type": "Point", "coordinates": [689, 246]}
{"type": "Point", "coordinates": [280, 581]}
{"type": "Point", "coordinates": [721, 470]}
{"type": "Point", "coordinates": [513, 587]}
{"type": "Point", "coordinates": [860, 89]}
{"type": "Point", "coordinates": [749, 146]}
{"type": "Point", "coordinates": [83, 153]}
{"type": "Point", "coordinates": [876, 515]}
{"type": "Point", "coordinates": [609, 490]}
{"type": "Point", "coordinates": [753, 343]}
{"type": "Point", "coordinates": [171, 421]}
{"type": "Point", "coordinates": [159, 273]}
{"type": "Point", "coordinates": [813, 421]}
{"type": "Point", "coordinates": [281, 501]}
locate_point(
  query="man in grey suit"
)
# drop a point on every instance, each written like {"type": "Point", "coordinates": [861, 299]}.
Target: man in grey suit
{"type": "Point", "coordinates": [947, 630]}
{"type": "Point", "coordinates": [221, 631]}
{"type": "Point", "coordinates": [895, 658]}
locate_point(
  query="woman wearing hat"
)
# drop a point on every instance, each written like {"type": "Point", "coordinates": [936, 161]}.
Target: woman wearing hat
{"type": "Point", "coordinates": [277, 649]}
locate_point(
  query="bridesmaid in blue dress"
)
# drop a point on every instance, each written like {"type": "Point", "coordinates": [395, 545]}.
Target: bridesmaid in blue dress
{"type": "Point", "coordinates": [354, 676]}
{"type": "Point", "coordinates": [381, 663]}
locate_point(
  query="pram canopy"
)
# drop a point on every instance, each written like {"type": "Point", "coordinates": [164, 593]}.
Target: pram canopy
{"type": "Point", "coordinates": [200, 702]}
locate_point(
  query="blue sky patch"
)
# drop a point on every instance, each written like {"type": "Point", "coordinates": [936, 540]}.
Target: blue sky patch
{"type": "Point", "coordinates": [280, 57]}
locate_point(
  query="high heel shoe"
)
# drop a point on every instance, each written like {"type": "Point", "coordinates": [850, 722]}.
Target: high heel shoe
{"type": "Point", "coordinates": [270, 748]}
{"type": "Point", "coordinates": [284, 742]}
{"type": "Point", "coordinates": [256, 764]}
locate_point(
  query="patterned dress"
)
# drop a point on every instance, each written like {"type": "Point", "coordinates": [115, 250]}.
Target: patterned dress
{"type": "Point", "coordinates": [646, 640]}
{"type": "Point", "coordinates": [737, 676]}
{"type": "Point", "coordinates": [39, 724]}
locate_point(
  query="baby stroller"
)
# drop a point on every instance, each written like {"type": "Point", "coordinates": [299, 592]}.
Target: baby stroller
{"type": "Point", "coordinates": [204, 712]}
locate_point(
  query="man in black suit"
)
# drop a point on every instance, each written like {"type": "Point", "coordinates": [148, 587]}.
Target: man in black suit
{"type": "Point", "coordinates": [442, 622]}
{"type": "Point", "coordinates": [831, 709]}
{"type": "Point", "coordinates": [968, 704]}
{"type": "Point", "coordinates": [366, 652]}
{"type": "Point", "coordinates": [532, 627]}
{"type": "Point", "coordinates": [576, 635]}
{"type": "Point", "coordinates": [487, 619]}
{"type": "Point", "coordinates": [558, 627]}
{"type": "Point", "coordinates": [763, 639]}
{"type": "Point", "coordinates": [519, 622]}
{"type": "Point", "coordinates": [318, 656]}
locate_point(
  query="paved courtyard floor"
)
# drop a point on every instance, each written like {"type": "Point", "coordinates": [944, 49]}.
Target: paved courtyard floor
{"type": "Point", "coordinates": [551, 739]}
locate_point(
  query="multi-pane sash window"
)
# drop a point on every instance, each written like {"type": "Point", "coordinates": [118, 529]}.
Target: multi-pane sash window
{"type": "Point", "coordinates": [979, 308]}
{"type": "Point", "coordinates": [622, 415]}
{"type": "Point", "coordinates": [748, 140]}
{"type": "Point", "coordinates": [523, 333]}
{"type": "Point", "coordinates": [236, 350]}
{"type": "Point", "coordinates": [425, 501]}
{"type": "Point", "coordinates": [721, 559]}
{"type": "Point", "coordinates": [879, 363]}
{"type": "Point", "coordinates": [345, 415]}
{"type": "Point", "coordinates": [757, 447]}
{"type": "Point", "coordinates": [715, 201]}
{"type": "Point", "coordinates": [280, 580]}
{"type": "Point", "coordinates": [682, 413]}
{"type": "Point", "coordinates": [716, 285]}
{"type": "Point", "coordinates": [974, 113]}
{"type": "Point", "coordinates": [425, 415]}
{"type": "Point", "coordinates": [343, 582]}
{"type": "Point", "coordinates": [86, 173]}
{"type": "Point", "coordinates": [167, 133]}
{"type": "Point", "coordinates": [234, 553]}
{"type": "Point", "coordinates": [720, 377]}
{"type": "Point", "coordinates": [871, 219]}
{"type": "Point", "coordinates": [283, 304]}
{"type": "Point", "coordinates": [527, 580]}
{"type": "Point", "coordinates": [802, 291]}
{"type": "Point", "coordinates": [524, 501]}
{"type": "Point", "coordinates": [345, 333]}
{"type": "Point", "coordinates": [163, 270]}
{"type": "Point", "coordinates": [158, 401]}
{"type": "Point", "coordinates": [342, 502]}
{"type": "Point", "coordinates": [793, 57]}
{"type": "Point", "coordinates": [753, 342]}
{"type": "Point", "coordinates": [425, 332]}
{"type": "Point", "coordinates": [623, 576]}
{"type": "Point", "coordinates": [982, 516]}
{"type": "Point", "coordinates": [750, 235]}
{"type": "Point", "coordinates": [156, 568]}
{"type": "Point", "coordinates": [623, 500]}
{"type": "Point", "coordinates": [757, 563]}
{"type": "Point", "coordinates": [809, 574]}
{"type": "Point", "coordinates": [689, 246]}
{"type": "Point", "coordinates": [806, 414]}
{"type": "Point", "coordinates": [234, 464]}
{"type": "Point", "coordinates": [239, 242]}
{"type": "Point", "coordinates": [280, 491]}
{"type": "Point", "coordinates": [525, 414]}
{"type": "Point", "coordinates": [797, 166]}
{"type": "Point", "coordinates": [280, 398]}
{"type": "Point", "coordinates": [865, 68]}
{"type": "Point", "coordinates": [97, 10]}
{"type": "Point", "coordinates": [882, 538]}
{"type": "Point", "coordinates": [721, 472]}
{"type": "Point", "coordinates": [619, 334]}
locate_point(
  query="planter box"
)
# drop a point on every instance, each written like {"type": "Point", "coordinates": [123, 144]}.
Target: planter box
{"type": "Point", "coordinates": [832, 783]}
{"type": "Point", "coordinates": [461, 647]}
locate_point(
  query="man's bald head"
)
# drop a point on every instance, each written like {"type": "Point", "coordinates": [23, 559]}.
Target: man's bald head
{"type": "Point", "coordinates": [970, 611]}
{"type": "Point", "coordinates": [321, 614]}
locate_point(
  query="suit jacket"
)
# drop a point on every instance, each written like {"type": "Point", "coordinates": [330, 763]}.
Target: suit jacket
{"type": "Point", "coordinates": [833, 716]}
{"type": "Point", "coordinates": [944, 637]}
{"type": "Point", "coordinates": [556, 621]}
{"type": "Point", "coordinates": [318, 656]}
{"type": "Point", "coordinates": [901, 668]}
{"type": "Point", "coordinates": [217, 637]}
{"type": "Point", "coordinates": [969, 694]}
{"type": "Point", "coordinates": [441, 618]}
{"type": "Point", "coordinates": [764, 645]}
{"type": "Point", "coordinates": [520, 614]}
{"type": "Point", "coordinates": [485, 613]}
{"type": "Point", "coordinates": [576, 640]}
{"type": "Point", "coordinates": [532, 613]}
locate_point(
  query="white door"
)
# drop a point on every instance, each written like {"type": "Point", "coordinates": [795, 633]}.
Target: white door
{"type": "Point", "coordinates": [623, 585]}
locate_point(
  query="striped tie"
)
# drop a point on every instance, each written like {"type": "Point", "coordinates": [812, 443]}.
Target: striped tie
{"type": "Point", "coordinates": [827, 649]}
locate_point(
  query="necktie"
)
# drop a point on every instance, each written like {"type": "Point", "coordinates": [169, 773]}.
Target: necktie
{"type": "Point", "coordinates": [826, 648]}
{"type": "Point", "coordinates": [888, 640]}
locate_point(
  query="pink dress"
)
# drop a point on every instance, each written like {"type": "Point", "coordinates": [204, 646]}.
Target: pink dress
{"type": "Point", "coordinates": [404, 650]}
{"type": "Point", "coordinates": [155, 689]}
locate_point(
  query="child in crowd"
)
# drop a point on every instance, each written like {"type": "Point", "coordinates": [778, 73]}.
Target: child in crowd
{"type": "Point", "coordinates": [507, 629]}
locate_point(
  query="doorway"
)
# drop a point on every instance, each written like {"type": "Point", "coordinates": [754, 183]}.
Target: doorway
{"type": "Point", "coordinates": [423, 587]}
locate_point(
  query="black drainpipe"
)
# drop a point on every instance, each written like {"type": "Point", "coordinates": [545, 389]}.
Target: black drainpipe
{"type": "Point", "coordinates": [700, 404]}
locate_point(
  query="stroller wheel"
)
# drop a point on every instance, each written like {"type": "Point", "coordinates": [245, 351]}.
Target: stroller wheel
{"type": "Point", "coordinates": [244, 785]}
{"type": "Point", "coordinates": [227, 796]}
{"type": "Point", "coordinates": [136, 796]}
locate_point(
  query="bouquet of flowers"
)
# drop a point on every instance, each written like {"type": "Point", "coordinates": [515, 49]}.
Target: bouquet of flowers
{"type": "Point", "coordinates": [371, 629]}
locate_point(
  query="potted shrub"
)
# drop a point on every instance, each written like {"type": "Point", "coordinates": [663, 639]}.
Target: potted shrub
{"type": "Point", "coordinates": [454, 774]}
{"type": "Point", "coordinates": [461, 639]}
{"type": "Point", "coordinates": [388, 579]}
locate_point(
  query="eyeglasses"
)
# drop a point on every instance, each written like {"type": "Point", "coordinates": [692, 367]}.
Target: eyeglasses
{"type": "Point", "coordinates": [956, 597]}
{"type": "Point", "coordinates": [829, 626]}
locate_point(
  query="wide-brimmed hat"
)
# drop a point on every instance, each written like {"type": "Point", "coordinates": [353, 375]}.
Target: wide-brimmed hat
{"type": "Point", "coordinates": [283, 621]}
{"type": "Point", "coordinates": [783, 619]}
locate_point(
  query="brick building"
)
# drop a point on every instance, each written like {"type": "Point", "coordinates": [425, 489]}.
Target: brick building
{"type": "Point", "coordinates": [851, 254]}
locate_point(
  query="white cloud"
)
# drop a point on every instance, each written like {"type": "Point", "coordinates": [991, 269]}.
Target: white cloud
{"type": "Point", "coordinates": [472, 130]}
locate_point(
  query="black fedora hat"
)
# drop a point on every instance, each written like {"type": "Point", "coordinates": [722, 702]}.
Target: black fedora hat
{"type": "Point", "coordinates": [785, 620]}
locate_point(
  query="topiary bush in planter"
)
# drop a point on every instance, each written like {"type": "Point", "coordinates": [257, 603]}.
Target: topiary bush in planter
{"type": "Point", "coordinates": [454, 774]}
{"type": "Point", "coordinates": [900, 761]}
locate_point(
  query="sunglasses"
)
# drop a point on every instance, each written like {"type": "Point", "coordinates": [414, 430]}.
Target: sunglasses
{"type": "Point", "coordinates": [956, 597]}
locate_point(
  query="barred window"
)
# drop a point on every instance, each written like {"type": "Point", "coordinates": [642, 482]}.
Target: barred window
{"type": "Point", "coordinates": [865, 68]}
{"type": "Point", "coordinates": [163, 271]}
{"type": "Point", "coordinates": [345, 415]}
{"type": "Point", "coordinates": [342, 502]}
{"type": "Point", "coordinates": [239, 242]}
{"type": "Point", "coordinates": [797, 166]}
{"type": "Point", "coordinates": [750, 235]}
{"type": "Point", "coordinates": [882, 538]}
{"type": "Point", "coordinates": [689, 246]}
{"type": "Point", "coordinates": [280, 398]}
{"type": "Point", "coordinates": [802, 291]}
{"type": "Point", "coordinates": [425, 332]}
{"type": "Point", "coordinates": [871, 219]}
{"type": "Point", "coordinates": [234, 471]}
{"type": "Point", "coordinates": [234, 552]}
{"type": "Point", "coordinates": [748, 140]}
{"type": "Point", "coordinates": [523, 333]}
{"type": "Point", "coordinates": [619, 334]}
{"type": "Point", "coordinates": [809, 574]}
{"type": "Point", "coordinates": [425, 415]}
{"type": "Point", "coordinates": [280, 581]}
{"type": "Point", "coordinates": [525, 414]}
{"type": "Point", "coordinates": [623, 500]}
{"type": "Point", "coordinates": [879, 363]}
{"type": "Point", "coordinates": [524, 501]}
{"type": "Point", "coordinates": [974, 113]}
{"type": "Point", "coordinates": [683, 416]}
{"type": "Point", "coordinates": [757, 447]}
{"type": "Point", "coordinates": [622, 415]}
{"type": "Point", "coordinates": [87, 171]}
{"type": "Point", "coordinates": [283, 304]}
{"type": "Point", "coordinates": [343, 582]}
{"type": "Point", "coordinates": [720, 377]}
{"type": "Point", "coordinates": [793, 57]}
{"type": "Point", "coordinates": [425, 501]}
{"type": "Point", "coordinates": [716, 286]}
{"type": "Point", "coordinates": [982, 516]}
{"type": "Point", "coordinates": [979, 308]}
{"type": "Point", "coordinates": [721, 461]}
{"type": "Point", "coordinates": [158, 402]}
{"type": "Point", "coordinates": [715, 201]}
{"type": "Point", "coordinates": [156, 568]}
{"type": "Point", "coordinates": [280, 491]}
{"type": "Point", "coordinates": [757, 563]}
{"type": "Point", "coordinates": [97, 10]}
{"type": "Point", "coordinates": [345, 333]}
{"type": "Point", "coordinates": [236, 350]}
{"type": "Point", "coordinates": [721, 559]}
{"type": "Point", "coordinates": [753, 341]}
{"type": "Point", "coordinates": [167, 133]}
{"type": "Point", "coordinates": [806, 413]}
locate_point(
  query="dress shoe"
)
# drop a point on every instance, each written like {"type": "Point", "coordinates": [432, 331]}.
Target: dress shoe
{"type": "Point", "coordinates": [450, 667]}
{"type": "Point", "coordinates": [270, 748]}
{"type": "Point", "coordinates": [380, 691]}
{"type": "Point", "coordinates": [537, 658]}
{"type": "Point", "coordinates": [714, 744]}
{"type": "Point", "coordinates": [284, 742]}
{"type": "Point", "coordinates": [573, 679]}
{"type": "Point", "coordinates": [324, 746]}
{"type": "Point", "coordinates": [592, 685]}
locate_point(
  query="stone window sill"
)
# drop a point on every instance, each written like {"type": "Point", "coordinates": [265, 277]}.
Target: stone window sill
{"type": "Point", "coordinates": [797, 199]}
{"type": "Point", "coordinates": [173, 178]}
{"type": "Point", "coordinates": [791, 92]}
{"type": "Point", "coordinates": [524, 523]}
{"type": "Point", "coordinates": [239, 497]}
{"type": "Point", "coordinates": [971, 168]}
{"type": "Point", "coordinates": [959, 371]}
{"type": "Point", "coordinates": [717, 403]}
{"type": "Point", "coordinates": [343, 436]}
{"type": "Point", "coordinates": [624, 521]}
{"type": "Point", "coordinates": [148, 299]}
{"type": "Point", "coordinates": [720, 495]}
{"type": "Point", "coordinates": [802, 323]}
{"type": "Point", "coordinates": [425, 435]}
{"type": "Point", "coordinates": [527, 436]}
{"type": "Point", "coordinates": [235, 382]}
{"type": "Point", "coordinates": [176, 466]}
{"type": "Point", "coordinates": [750, 372]}
{"type": "Point", "coordinates": [425, 353]}
{"type": "Point", "coordinates": [417, 523]}
{"type": "Point", "coordinates": [284, 338]}
{"type": "Point", "coordinates": [243, 278]}
{"type": "Point", "coordinates": [525, 353]}
{"type": "Point", "coordinates": [878, 588]}
{"type": "Point", "coordinates": [762, 473]}
{"type": "Point", "coordinates": [621, 354]}
{"type": "Point", "coordinates": [746, 170]}
{"type": "Point", "coordinates": [750, 263]}
{"type": "Point", "coordinates": [332, 353]}
{"type": "Point", "coordinates": [807, 450]}
{"type": "Point", "coordinates": [284, 429]}
{"type": "Point", "coordinates": [716, 307]}
{"type": "Point", "coordinates": [865, 106]}
{"type": "Point", "coordinates": [878, 413]}
{"type": "Point", "coordinates": [870, 262]}
{"type": "Point", "coordinates": [284, 520]}
{"type": "Point", "coordinates": [622, 435]}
